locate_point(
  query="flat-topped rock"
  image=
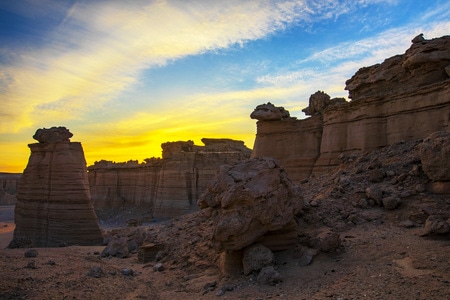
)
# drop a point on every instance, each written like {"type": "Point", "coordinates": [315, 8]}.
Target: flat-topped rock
{"type": "Point", "coordinates": [53, 201]}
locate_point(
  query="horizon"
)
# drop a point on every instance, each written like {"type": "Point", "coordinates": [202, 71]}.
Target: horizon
{"type": "Point", "coordinates": [125, 77]}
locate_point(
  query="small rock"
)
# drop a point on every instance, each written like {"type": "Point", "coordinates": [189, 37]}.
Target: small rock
{"type": "Point", "coordinates": [159, 267]}
{"type": "Point", "coordinates": [376, 175]}
{"type": "Point", "coordinates": [31, 264]}
{"type": "Point", "coordinates": [407, 224]}
{"type": "Point", "coordinates": [51, 263]}
{"type": "Point", "coordinates": [95, 272]}
{"type": "Point", "coordinates": [269, 276]}
{"type": "Point", "coordinates": [391, 202]}
{"type": "Point", "coordinates": [226, 288]}
{"type": "Point", "coordinates": [256, 257]}
{"type": "Point", "coordinates": [128, 272]}
{"type": "Point", "coordinates": [307, 257]}
{"type": "Point", "coordinates": [31, 253]}
{"type": "Point", "coordinates": [420, 188]}
{"type": "Point", "coordinates": [405, 194]}
{"type": "Point", "coordinates": [375, 193]}
{"type": "Point", "coordinates": [436, 224]}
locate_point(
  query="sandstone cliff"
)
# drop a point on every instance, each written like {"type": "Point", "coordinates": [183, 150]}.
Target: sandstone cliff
{"type": "Point", "coordinates": [53, 201]}
{"type": "Point", "coordinates": [169, 186]}
{"type": "Point", "coordinates": [405, 97]}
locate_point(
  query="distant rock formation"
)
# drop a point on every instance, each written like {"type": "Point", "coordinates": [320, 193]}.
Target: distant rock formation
{"type": "Point", "coordinates": [248, 200]}
{"type": "Point", "coordinates": [405, 97]}
{"type": "Point", "coordinates": [53, 202]}
{"type": "Point", "coordinates": [8, 188]}
{"type": "Point", "coordinates": [171, 185]}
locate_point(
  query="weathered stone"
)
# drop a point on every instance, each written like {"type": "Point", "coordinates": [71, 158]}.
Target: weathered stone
{"type": "Point", "coordinates": [249, 199]}
{"type": "Point", "coordinates": [256, 257]}
{"type": "Point", "coordinates": [148, 252]}
{"type": "Point", "coordinates": [436, 224]}
{"type": "Point", "coordinates": [53, 135]}
{"type": "Point", "coordinates": [391, 202]}
{"type": "Point", "coordinates": [118, 247]}
{"type": "Point", "coordinates": [375, 193]}
{"type": "Point", "coordinates": [95, 272]}
{"type": "Point", "coordinates": [435, 156]}
{"type": "Point", "coordinates": [31, 253]}
{"type": "Point", "coordinates": [53, 201]}
{"type": "Point", "coordinates": [269, 112]}
{"type": "Point", "coordinates": [269, 276]}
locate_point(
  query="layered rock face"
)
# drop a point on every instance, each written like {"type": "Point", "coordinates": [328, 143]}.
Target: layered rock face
{"type": "Point", "coordinates": [8, 188]}
{"type": "Point", "coordinates": [53, 202]}
{"type": "Point", "coordinates": [171, 185]}
{"type": "Point", "coordinates": [405, 97]}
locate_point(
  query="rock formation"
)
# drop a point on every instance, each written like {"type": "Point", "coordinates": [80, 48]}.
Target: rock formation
{"type": "Point", "coordinates": [53, 202]}
{"type": "Point", "coordinates": [435, 158]}
{"type": "Point", "coordinates": [405, 97]}
{"type": "Point", "coordinates": [269, 112]}
{"type": "Point", "coordinates": [248, 200]}
{"type": "Point", "coordinates": [8, 188]}
{"type": "Point", "coordinates": [171, 185]}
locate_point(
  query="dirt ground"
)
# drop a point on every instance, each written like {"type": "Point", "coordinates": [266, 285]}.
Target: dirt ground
{"type": "Point", "coordinates": [383, 253]}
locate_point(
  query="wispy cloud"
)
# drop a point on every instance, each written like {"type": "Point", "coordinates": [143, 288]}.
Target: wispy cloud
{"type": "Point", "coordinates": [334, 65]}
{"type": "Point", "coordinates": [99, 49]}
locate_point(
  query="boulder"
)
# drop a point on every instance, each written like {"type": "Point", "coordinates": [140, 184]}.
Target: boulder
{"type": "Point", "coordinates": [249, 199]}
{"type": "Point", "coordinates": [269, 112]}
{"type": "Point", "coordinates": [256, 257]}
{"type": "Point", "coordinates": [435, 156]}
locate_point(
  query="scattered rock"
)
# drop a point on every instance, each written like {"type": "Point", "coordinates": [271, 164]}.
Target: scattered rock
{"type": "Point", "coordinates": [31, 253]}
{"type": "Point", "coordinates": [159, 267]}
{"type": "Point", "coordinates": [95, 272]}
{"type": "Point", "coordinates": [128, 272]}
{"type": "Point", "coordinates": [269, 276]}
{"type": "Point", "coordinates": [31, 264]}
{"type": "Point", "coordinates": [256, 257]}
{"type": "Point", "coordinates": [435, 156]}
{"type": "Point", "coordinates": [117, 246]}
{"type": "Point", "coordinates": [391, 202]}
{"type": "Point", "coordinates": [436, 224]}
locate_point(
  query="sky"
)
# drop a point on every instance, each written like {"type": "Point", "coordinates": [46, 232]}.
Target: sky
{"type": "Point", "coordinates": [126, 76]}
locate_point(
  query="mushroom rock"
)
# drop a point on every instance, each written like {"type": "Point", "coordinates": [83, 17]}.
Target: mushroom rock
{"type": "Point", "coordinates": [53, 201]}
{"type": "Point", "coordinates": [248, 200]}
{"type": "Point", "coordinates": [269, 112]}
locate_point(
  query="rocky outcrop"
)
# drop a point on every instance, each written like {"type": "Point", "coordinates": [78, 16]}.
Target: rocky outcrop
{"type": "Point", "coordinates": [8, 188]}
{"type": "Point", "coordinates": [248, 200]}
{"type": "Point", "coordinates": [405, 97]}
{"type": "Point", "coordinates": [171, 185]}
{"type": "Point", "coordinates": [53, 202]}
{"type": "Point", "coordinates": [435, 158]}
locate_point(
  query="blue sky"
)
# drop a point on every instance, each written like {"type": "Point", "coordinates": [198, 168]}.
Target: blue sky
{"type": "Point", "coordinates": [126, 76]}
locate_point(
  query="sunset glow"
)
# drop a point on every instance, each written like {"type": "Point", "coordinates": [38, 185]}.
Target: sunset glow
{"type": "Point", "coordinates": [126, 76]}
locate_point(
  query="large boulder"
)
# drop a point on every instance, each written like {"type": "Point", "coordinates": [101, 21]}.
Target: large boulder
{"type": "Point", "coordinates": [269, 112]}
{"type": "Point", "coordinates": [249, 199]}
{"type": "Point", "coordinates": [435, 156]}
